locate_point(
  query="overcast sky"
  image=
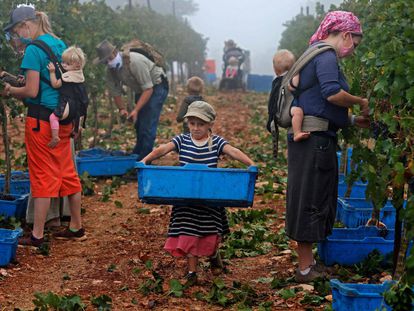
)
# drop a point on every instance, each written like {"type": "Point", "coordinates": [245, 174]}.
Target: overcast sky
{"type": "Point", "coordinates": [255, 25]}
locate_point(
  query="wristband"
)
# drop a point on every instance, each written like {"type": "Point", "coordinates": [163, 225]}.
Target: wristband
{"type": "Point", "coordinates": [353, 119]}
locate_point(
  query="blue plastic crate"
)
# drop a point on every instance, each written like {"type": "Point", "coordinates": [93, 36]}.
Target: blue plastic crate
{"type": "Point", "coordinates": [348, 246]}
{"type": "Point", "coordinates": [99, 162]}
{"type": "Point", "coordinates": [16, 208]}
{"type": "Point", "coordinates": [357, 191]}
{"type": "Point", "coordinates": [196, 184]}
{"type": "Point", "coordinates": [8, 245]}
{"type": "Point", "coordinates": [259, 83]}
{"type": "Point", "coordinates": [355, 212]}
{"type": "Point", "coordinates": [358, 297]}
{"type": "Point", "coordinates": [19, 183]}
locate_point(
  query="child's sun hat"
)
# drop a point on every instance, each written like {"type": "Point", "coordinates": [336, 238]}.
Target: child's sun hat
{"type": "Point", "coordinates": [202, 110]}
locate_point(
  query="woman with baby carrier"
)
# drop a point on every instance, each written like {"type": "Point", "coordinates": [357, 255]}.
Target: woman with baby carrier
{"type": "Point", "coordinates": [312, 163]}
{"type": "Point", "coordinates": [52, 170]}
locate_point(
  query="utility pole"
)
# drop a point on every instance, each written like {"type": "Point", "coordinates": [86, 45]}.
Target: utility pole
{"type": "Point", "coordinates": [173, 8]}
{"type": "Point", "coordinates": [130, 4]}
{"type": "Point", "coordinates": [149, 4]}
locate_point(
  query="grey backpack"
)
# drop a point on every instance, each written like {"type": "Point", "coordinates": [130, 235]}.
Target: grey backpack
{"type": "Point", "coordinates": [285, 98]}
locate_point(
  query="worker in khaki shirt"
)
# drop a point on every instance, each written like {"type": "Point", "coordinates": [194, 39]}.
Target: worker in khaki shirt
{"type": "Point", "coordinates": [150, 85]}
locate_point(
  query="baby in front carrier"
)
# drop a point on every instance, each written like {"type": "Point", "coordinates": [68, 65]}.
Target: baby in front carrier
{"type": "Point", "coordinates": [232, 68]}
{"type": "Point", "coordinates": [71, 87]}
{"type": "Point", "coordinates": [196, 230]}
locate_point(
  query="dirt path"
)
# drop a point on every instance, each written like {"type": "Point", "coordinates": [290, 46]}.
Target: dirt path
{"type": "Point", "coordinates": [121, 239]}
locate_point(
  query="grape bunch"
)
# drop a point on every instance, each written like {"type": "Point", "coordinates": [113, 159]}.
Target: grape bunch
{"type": "Point", "coordinates": [379, 129]}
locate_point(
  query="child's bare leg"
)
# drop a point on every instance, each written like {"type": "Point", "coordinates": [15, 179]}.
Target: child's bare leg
{"type": "Point", "coordinates": [54, 125]}
{"type": "Point", "coordinates": [192, 263]}
{"type": "Point", "coordinates": [191, 277]}
{"type": "Point", "coordinates": [294, 83]}
{"type": "Point", "coordinates": [297, 119]}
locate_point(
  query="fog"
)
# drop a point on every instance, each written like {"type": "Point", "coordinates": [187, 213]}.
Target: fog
{"type": "Point", "coordinates": [255, 25]}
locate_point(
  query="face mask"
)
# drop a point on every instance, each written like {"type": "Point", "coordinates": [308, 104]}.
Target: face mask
{"type": "Point", "coordinates": [116, 62]}
{"type": "Point", "coordinates": [26, 40]}
{"type": "Point", "coordinates": [344, 51]}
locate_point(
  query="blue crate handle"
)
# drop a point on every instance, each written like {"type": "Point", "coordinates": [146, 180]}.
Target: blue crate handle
{"type": "Point", "coordinates": [13, 234]}
{"type": "Point", "coordinates": [343, 289]}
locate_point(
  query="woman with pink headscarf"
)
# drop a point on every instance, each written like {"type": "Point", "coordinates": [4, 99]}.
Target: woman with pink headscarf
{"type": "Point", "coordinates": [312, 165]}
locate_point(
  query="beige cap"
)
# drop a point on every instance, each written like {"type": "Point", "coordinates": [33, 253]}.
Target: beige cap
{"type": "Point", "coordinates": [104, 51]}
{"type": "Point", "coordinates": [201, 110]}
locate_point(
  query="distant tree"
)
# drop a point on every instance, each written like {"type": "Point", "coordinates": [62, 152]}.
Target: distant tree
{"type": "Point", "coordinates": [299, 30]}
{"type": "Point", "coordinates": [177, 7]}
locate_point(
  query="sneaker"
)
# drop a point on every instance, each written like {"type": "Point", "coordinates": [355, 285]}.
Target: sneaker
{"type": "Point", "coordinates": [31, 241]}
{"type": "Point", "coordinates": [216, 264]}
{"type": "Point", "coordinates": [191, 279]}
{"type": "Point", "coordinates": [309, 277]}
{"type": "Point", "coordinates": [70, 235]}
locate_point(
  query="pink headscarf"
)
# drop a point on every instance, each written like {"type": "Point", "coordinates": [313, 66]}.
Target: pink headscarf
{"type": "Point", "coordinates": [336, 21]}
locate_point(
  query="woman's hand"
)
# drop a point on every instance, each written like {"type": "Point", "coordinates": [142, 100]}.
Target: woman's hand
{"type": "Point", "coordinates": [364, 107]}
{"type": "Point", "coordinates": [6, 90]}
{"type": "Point", "coordinates": [362, 122]}
{"type": "Point", "coordinates": [21, 80]}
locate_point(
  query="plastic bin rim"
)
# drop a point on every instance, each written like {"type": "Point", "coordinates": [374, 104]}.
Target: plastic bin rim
{"type": "Point", "coordinates": [194, 166]}
{"type": "Point", "coordinates": [347, 204]}
{"type": "Point", "coordinates": [14, 233]}
{"type": "Point", "coordinates": [16, 196]}
{"type": "Point", "coordinates": [346, 290]}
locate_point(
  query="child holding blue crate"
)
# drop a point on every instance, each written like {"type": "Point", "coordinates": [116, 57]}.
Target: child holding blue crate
{"type": "Point", "coordinates": [196, 231]}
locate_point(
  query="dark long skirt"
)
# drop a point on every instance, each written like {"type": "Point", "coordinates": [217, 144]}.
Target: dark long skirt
{"type": "Point", "coordinates": [312, 188]}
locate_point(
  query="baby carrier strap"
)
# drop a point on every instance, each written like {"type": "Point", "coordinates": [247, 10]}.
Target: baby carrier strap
{"type": "Point", "coordinates": [46, 48]}
{"type": "Point", "coordinates": [313, 124]}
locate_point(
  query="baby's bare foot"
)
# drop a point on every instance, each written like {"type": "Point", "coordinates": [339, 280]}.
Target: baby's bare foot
{"type": "Point", "coordinates": [53, 142]}
{"type": "Point", "coordinates": [301, 136]}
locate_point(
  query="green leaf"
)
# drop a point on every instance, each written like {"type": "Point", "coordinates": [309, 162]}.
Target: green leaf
{"type": "Point", "coordinates": [176, 288]}
{"type": "Point", "coordinates": [219, 283]}
{"type": "Point", "coordinates": [287, 293]}
{"type": "Point", "coordinates": [102, 303]}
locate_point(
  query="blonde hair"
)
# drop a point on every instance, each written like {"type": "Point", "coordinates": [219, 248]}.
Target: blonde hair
{"type": "Point", "coordinates": [210, 139]}
{"type": "Point", "coordinates": [283, 60]}
{"type": "Point", "coordinates": [74, 55]}
{"type": "Point", "coordinates": [195, 85]}
{"type": "Point", "coordinates": [43, 23]}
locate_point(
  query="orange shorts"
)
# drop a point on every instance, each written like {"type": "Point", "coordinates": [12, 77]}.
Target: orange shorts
{"type": "Point", "coordinates": [52, 171]}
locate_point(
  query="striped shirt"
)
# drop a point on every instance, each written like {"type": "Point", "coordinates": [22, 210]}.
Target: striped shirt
{"type": "Point", "coordinates": [198, 220]}
{"type": "Point", "coordinates": [189, 152]}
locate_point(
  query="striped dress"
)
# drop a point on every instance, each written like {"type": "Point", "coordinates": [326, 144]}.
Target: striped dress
{"type": "Point", "coordinates": [198, 221]}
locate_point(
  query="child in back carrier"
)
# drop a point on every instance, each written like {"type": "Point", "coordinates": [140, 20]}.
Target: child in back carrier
{"type": "Point", "coordinates": [195, 87]}
{"type": "Point", "coordinates": [196, 231]}
{"type": "Point", "coordinates": [73, 61]}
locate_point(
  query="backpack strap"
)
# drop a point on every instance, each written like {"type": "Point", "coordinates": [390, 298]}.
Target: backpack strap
{"type": "Point", "coordinates": [46, 48]}
{"type": "Point", "coordinates": [58, 69]}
